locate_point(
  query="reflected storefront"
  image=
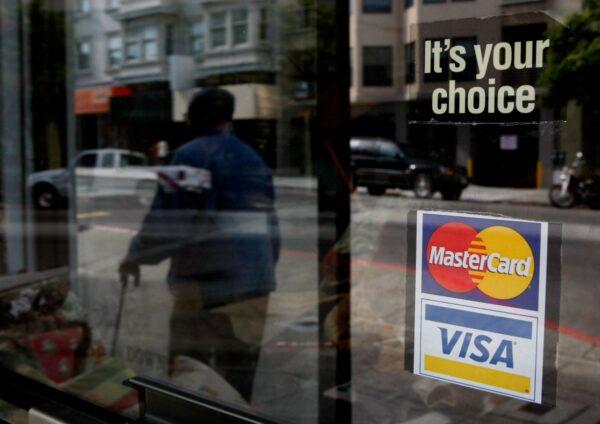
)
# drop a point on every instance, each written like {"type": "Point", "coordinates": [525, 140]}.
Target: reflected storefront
{"type": "Point", "coordinates": [299, 211]}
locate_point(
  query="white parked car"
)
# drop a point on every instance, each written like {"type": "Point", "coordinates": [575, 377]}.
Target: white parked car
{"type": "Point", "coordinates": [109, 173]}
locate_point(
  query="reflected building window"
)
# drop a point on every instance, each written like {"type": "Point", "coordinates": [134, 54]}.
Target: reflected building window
{"type": "Point", "coordinates": [84, 6]}
{"type": "Point", "coordinates": [149, 43]}
{"type": "Point", "coordinates": [133, 51]}
{"type": "Point", "coordinates": [377, 6]}
{"type": "Point", "coordinates": [84, 55]}
{"type": "Point", "coordinates": [115, 50]}
{"type": "Point", "coordinates": [142, 44]}
{"type": "Point", "coordinates": [218, 29]}
{"type": "Point", "coordinates": [264, 25]}
{"type": "Point", "coordinates": [410, 61]}
{"type": "Point", "coordinates": [240, 26]}
{"type": "Point", "coordinates": [377, 66]}
{"type": "Point", "coordinates": [198, 35]}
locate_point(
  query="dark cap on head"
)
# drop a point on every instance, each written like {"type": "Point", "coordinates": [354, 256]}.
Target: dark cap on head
{"type": "Point", "coordinates": [209, 108]}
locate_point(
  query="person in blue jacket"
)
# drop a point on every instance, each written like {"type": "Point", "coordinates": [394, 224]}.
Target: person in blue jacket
{"type": "Point", "coordinates": [223, 243]}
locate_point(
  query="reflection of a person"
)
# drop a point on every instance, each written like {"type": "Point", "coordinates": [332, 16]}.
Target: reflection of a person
{"type": "Point", "coordinates": [223, 244]}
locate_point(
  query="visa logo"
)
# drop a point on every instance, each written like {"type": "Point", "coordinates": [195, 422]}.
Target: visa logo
{"type": "Point", "coordinates": [479, 348]}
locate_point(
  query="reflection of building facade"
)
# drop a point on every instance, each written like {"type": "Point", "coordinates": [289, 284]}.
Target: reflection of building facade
{"type": "Point", "coordinates": [390, 88]}
{"type": "Point", "coordinates": [139, 61]}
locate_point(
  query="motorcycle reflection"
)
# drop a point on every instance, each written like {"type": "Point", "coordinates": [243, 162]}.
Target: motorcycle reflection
{"type": "Point", "coordinates": [571, 185]}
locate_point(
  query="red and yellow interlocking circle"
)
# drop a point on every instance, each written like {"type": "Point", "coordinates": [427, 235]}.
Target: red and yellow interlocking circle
{"type": "Point", "coordinates": [497, 260]}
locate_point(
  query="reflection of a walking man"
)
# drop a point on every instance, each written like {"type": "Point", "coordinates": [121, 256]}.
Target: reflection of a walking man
{"type": "Point", "coordinates": [223, 244]}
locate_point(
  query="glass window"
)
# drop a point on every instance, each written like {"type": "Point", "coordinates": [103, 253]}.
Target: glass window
{"type": "Point", "coordinates": [150, 43]}
{"type": "Point", "coordinates": [241, 228]}
{"type": "Point", "coordinates": [85, 6]}
{"type": "Point", "coordinates": [142, 43]}
{"type": "Point", "coordinates": [113, 4]}
{"type": "Point", "coordinates": [88, 160]}
{"type": "Point", "coordinates": [410, 61]}
{"type": "Point", "coordinates": [84, 55]}
{"type": "Point", "coordinates": [108, 160]}
{"type": "Point", "coordinates": [240, 26]}
{"type": "Point", "coordinates": [132, 160]}
{"type": "Point", "coordinates": [265, 24]}
{"type": "Point", "coordinates": [218, 29]}
{"type": "Point", "coordinates": [115, 50]}
{"type": "Point", "coordinates": [133, 51]}
{"type": "Point", "coordinates": [198, 37]}
{"type": "Point", "coordinates": [376, 6]}
{"type": "Point", "coordinates": [377, 66]}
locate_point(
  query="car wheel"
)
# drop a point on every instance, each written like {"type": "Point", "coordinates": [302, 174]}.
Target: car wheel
{"type": "Point", "coordinates": [452, 194]}
{"type": "Point", "coordinates": [561, 200]}
{"type": "Point", "coordinates": [46, 197]}
{"type": "Point", "coordinates": [376, 190]}
{"type": "Point", "coordinates": [422, 186]}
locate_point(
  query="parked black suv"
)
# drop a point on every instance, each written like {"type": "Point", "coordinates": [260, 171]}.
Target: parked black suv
{"type": "Point", "coordinates": [379, 164]}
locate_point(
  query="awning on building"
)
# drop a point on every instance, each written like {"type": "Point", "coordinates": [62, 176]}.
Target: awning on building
{"type": "Point", "coordinates": [96, 100]}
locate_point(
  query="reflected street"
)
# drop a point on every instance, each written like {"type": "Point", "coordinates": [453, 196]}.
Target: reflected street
{"type": "Point", "coordinates": [379, 277]}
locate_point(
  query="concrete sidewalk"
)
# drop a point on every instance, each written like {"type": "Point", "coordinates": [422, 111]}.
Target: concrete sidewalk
{"type": "Point", "coordinates": [473, 193]}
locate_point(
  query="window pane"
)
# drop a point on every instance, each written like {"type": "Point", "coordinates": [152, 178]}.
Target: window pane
{"type": "Point", "coordinates": [240, 26]}
{"type": "Point", "coordinates": [87, 161]}
{"type": "Point", "coordinates": [115, 47]}
{"type": "Point", "coordinates": [132, 160]}
{"type": "Point", "coordinates": [377, 6]}
{"type": "Point", "coordinates": [190, 192]}
{"type": "Point", "coordinates": [149, 33]}
{"type": "Point", "coordinates": [410, 57]}
{"type": "Point", "coordinates": [377, 66]}
{"type": "Point", "coordinates": [84, 55]}
{"type": "Point", "coordinates": [150, 49]}
{"type": "Point", "coordinates": [85, 6]}
{"type": "Point", "coordinates": [218, 29]}
{"type": "Point", "coordinates": [265, 24]}
{"type": "Point", "coordinates": [108, 160]}
{"type": "Point", "coordinates": [198, 33]}
{"type": "Point", "coordinates": [133, 50]}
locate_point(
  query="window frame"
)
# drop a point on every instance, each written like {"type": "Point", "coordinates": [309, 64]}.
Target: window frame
{"type": "Point", "coordinates": [110, 49]}
{"type": "Point", "coordinates": [137, 37]}
{"type": "Point", "coordinates": [222, 28]}
{"type": "Point", "coordinates": [199, 21]}
{"type": "Point", "coordinates": [237, 24]}
{"type": "Point", "coordinates": [88, 68]}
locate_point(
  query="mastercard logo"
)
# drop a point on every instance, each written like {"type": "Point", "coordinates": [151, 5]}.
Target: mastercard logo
{"type": "Point", "coordinates": [498, 261]}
